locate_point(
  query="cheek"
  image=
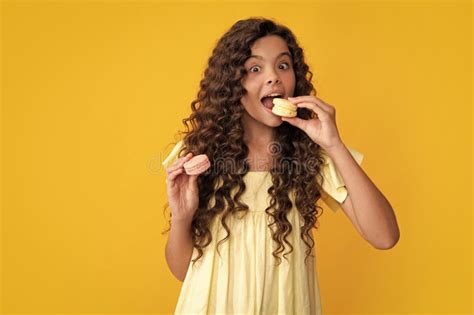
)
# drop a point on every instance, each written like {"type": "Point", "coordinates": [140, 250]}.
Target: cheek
{"type": "Point", "coordinates": [290, 76]}
{"type": "Point", "coordinates": [290, 82]}
{"type": "Point", "coordinates": [252, 91]}
{"type": "Point", "coordinates": [249, 103]}
{"type": "Point", "coordinates": [252, 87]}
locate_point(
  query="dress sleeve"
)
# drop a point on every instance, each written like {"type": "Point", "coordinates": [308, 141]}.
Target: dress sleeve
{"type": "Point", "coordinates": [334, 190]}
{"type": "Point", "coordinates": [173, 156]}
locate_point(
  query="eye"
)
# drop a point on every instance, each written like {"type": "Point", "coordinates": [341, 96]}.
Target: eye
{"type": "Point", "coordinates": [252, 68]}
{"type": "Point", "coordinates": [287, 66]}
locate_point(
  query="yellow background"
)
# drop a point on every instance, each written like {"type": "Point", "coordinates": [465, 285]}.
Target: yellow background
{"type": "Point", "coordinates": [94, 92]}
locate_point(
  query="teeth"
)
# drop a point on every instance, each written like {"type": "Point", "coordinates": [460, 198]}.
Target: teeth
{"type": "Point", "coordinates": [274, 94]}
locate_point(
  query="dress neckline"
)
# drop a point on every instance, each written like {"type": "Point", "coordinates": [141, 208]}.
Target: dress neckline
{"type": "Point", "coordinates": [263, 172]}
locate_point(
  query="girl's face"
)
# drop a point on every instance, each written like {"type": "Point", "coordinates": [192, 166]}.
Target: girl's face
{"type": "Point", "coordinates": [269, 70]}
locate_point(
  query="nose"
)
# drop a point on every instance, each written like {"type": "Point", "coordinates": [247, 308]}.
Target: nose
{"type": "Point", "coordinates": [273, 77]}
{"type": "Point", "coordinates": [273, 80]}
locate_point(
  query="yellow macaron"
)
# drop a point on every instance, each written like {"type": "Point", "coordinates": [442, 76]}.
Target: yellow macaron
{"type": "Point", "coordinates": [284, 107]}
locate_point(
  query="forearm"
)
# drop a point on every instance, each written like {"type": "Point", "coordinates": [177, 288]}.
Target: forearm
{"type": "Point", "coordinates": [179, 248]}
{"type": "Point", "coordinates": [373, 211]}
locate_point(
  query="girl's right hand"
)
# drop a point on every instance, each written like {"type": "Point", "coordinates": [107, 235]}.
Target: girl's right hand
{"type": "Point", "coordinates": [182, 190]}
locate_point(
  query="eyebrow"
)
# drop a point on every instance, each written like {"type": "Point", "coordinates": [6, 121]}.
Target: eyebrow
{"type": "Point", "coordinates": [279, 55]}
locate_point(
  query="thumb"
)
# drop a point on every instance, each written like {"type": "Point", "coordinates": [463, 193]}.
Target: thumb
{"type": "Point", "coordinates": [295, 121]}
{"type": "Point", "coordinates": [193, 180]}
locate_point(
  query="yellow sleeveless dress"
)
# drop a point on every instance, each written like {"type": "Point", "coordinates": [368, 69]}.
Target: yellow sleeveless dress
{"type": "Point", "coordinates": [243, 277]}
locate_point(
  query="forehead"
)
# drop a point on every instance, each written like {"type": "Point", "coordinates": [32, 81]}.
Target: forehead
{"type": "Point", "coordinates": [269, 47]}
{"type": "Point", "coordinates": [283, 53]}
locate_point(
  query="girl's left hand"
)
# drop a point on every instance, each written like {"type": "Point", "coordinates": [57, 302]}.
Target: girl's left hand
{"type": "Point", "coordinates": [322, 127]}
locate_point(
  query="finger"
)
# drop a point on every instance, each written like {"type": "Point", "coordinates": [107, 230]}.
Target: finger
{"type": "Point", "coordinates": [179, 162]}
{"type": "Point", "coordinates": [315, 108]}
{"type": "Point", "coordinates": [295, 121]}
{"type": "Point", "coordinates": [311, 99]}
{"type": "Point", "coordinates": [193, 179]}
{"type": "Point", "coordinates": [324, 105]}
{"type": "Point", "coordinates": [172, 176]}
{"type": "Point", "coordinates": [303, 98]}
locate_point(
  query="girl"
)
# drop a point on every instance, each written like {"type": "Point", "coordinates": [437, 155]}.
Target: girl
{"type": "Point", "coordinates": [267, 173]}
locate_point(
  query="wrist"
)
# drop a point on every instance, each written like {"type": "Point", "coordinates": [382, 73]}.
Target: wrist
{"type": "Point", "coordinates": [183, 221]}
{"type": "Point", "coordinates": [336, 148]}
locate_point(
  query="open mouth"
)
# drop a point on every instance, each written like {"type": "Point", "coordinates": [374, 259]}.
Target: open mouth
{"type": "Point", "coordinates": [267, 101]}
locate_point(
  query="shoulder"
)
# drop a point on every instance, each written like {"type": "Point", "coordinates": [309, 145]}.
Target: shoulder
{"type": "Point", "coordinates": [173, 155]}
{"type": "Point", "coordinates": [333, 186]}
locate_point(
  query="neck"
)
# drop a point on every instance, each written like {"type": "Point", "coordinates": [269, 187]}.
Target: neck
{"type": "Point", "coordinates": [256, 134]}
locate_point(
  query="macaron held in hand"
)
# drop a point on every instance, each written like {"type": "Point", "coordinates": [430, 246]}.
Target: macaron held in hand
{"type": "Point", "coordinates": [197, 165]}
{"type": "Point", "coordinates": [284, 108]}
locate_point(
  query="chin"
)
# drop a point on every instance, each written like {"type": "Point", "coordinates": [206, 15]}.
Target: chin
{"type": "Point", "coordinates": [276, 122]}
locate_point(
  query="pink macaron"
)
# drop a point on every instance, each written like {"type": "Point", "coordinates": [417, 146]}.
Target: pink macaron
{"type": "Point", "coordinates": [197, 165]}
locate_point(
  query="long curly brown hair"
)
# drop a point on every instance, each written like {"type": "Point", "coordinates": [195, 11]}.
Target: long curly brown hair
{"type": "Point", "coordinates": [215, 128]}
